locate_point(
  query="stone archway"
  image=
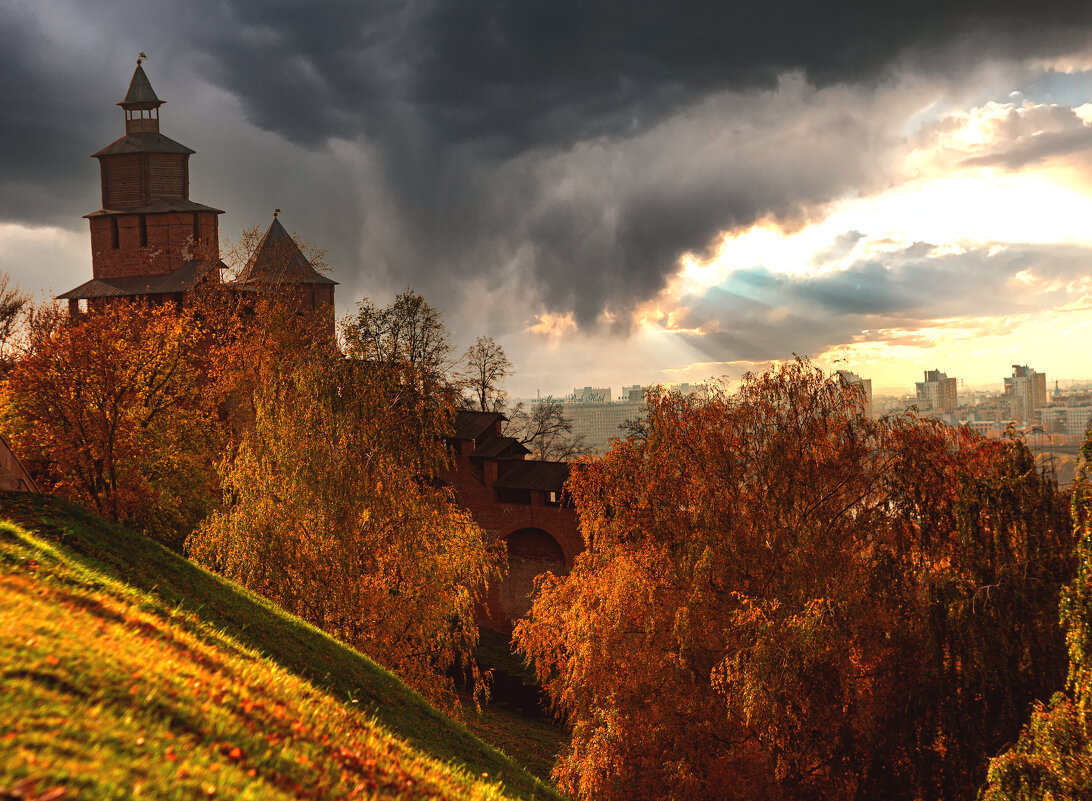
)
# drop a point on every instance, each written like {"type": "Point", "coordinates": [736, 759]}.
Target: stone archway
{"type": "Point", "coordinates": [531, 552]}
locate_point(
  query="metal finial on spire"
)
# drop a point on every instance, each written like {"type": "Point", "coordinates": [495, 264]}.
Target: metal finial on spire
{"type": "Point", "coordinates": [141, 58]}
{"type": "Point", "coordinates": [275, 213]}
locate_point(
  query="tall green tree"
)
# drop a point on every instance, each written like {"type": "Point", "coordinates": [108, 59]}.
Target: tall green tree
{"type": "Point", "coordinates": [409, 336]}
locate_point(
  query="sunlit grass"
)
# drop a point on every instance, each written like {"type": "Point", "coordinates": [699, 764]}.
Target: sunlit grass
{"type": "Point", "coordinates": [112, 691]}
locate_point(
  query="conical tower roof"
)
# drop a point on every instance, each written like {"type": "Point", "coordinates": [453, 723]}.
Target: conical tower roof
{"type": "Point", "coordinates": [279, 260]}
{"type": "Point", "coordinates": [140, 94]}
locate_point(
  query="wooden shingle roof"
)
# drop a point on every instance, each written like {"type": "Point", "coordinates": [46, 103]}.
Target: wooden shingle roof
{"type": "Point", "coordinates": [279, 260]}
{"type": "Point", "coordinates": [140, 94]}
{"type": "Point", "coordinates": [183, 279]}
{"type": "Point", "coordinates": [497, 447]}
{"type": "Point", "coordinates": [146, 142]}
{"type": "Point", "coordinates": [469, 425]}
{"type": "Point", "coordinates": [158, 207]}
{"type": "Point", "coordinates": [544, 476]}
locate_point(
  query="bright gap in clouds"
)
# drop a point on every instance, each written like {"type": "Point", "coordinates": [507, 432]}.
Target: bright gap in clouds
{"type": "Point", "coordinates": [948, 213]}
{"type": "Point", "coordinates": [985, 207]}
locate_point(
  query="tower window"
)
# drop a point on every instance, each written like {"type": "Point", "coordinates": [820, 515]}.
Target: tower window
{"type": "Point", "coordinates": [196, 228]}
{"type": "Point", "coordinates": [142, 222]}
{"type": "Point", "coordinates": [114, 242]}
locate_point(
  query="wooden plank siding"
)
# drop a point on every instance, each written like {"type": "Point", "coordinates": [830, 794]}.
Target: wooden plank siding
{"type": "Point", "coordinates": [131, 180]}
{"type": "Point", "coordinates": [167, 177]}
{"type": "Point", "coordinates": [122, 184]}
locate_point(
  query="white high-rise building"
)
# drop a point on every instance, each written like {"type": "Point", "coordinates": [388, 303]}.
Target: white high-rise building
{"type": "Point", "coordinates": [1073, 421]}
{"type": "Point", "coordinates": [589, 395]}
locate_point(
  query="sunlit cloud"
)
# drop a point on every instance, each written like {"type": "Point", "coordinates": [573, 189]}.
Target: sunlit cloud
{"type": "Point", "coordinates": [553, 326]}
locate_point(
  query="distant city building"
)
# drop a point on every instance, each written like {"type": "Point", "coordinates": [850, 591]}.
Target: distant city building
{"type": "Point", "coordinates": [590, 395]}
{"type": "Point", "coordinates": [687, 388]}
{"type": "Point", "coordinates": [853, 379]}
{"type": "Point", "coordinates": [1025, 391]}
{"type": "Point", "coordinates": [983, 427]}
{"type": "Point", "coordinates": [598, 423]}
{"type": "Point", "coordinates": [937, 392]}
{"type": "Point", "coordinates": [1073, 421]}
{"type": "Point", "coordinates": [599, 419]}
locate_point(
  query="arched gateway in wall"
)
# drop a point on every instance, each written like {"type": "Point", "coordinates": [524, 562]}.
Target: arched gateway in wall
{"type": "Point", "coordinates": [531, 552]}
{"type": "Point", "coordinates": [513, 499]}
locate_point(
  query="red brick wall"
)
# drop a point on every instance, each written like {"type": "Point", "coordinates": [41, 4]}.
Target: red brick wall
{"type": "Point", "coordinates": [502, 519]}
{"type": "Point", "coordinates": [170, 243]}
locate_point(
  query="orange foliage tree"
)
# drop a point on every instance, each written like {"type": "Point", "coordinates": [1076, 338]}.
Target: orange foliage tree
{"type": "Point", "coordinates": [331, 513]}
{"type": "Point", "coordinates": [782, 598]}
{"type": "Point", "coordinates": [111, 409]}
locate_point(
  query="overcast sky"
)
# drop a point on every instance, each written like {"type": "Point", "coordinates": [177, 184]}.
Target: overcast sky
{"type": "Point", "coordinates": [618, 192]}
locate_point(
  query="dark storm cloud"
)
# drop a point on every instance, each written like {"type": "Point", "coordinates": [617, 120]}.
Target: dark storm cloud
{"type": "Point", "coordinates": [572, 150]}
{"type": "Point", "coordinates": [41, 150]}
{"type": "Point", "coordinates": [757, 315]}
{"type": "Point", "coordinates": [537, 72]}
{"type": "Point", "coordinates": [477, 101]}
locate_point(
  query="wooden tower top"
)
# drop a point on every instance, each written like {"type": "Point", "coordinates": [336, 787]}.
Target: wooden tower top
{"type": "Point", "coordinates": [141, 104]}
{"type": "Point", "coordinates": [144, 170]}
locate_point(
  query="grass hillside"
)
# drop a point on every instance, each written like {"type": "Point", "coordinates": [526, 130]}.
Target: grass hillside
{"type": "Point", "coordinates": [129, 672]}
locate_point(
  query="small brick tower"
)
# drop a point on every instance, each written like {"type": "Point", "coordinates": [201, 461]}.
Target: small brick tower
{"type": "Point", "coordinates": [149, 239]}
{"type": "Point", "coordinates": [278, 267]}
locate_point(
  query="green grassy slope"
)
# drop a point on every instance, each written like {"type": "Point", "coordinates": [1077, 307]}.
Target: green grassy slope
{"type": "Point", "coordinates": [536, 742]}
{"type": "Point", "coordinates": [106, 564]}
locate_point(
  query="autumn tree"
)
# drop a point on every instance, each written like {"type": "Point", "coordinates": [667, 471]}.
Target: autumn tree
{"type": "Point", "coordinates": [484, 366]}
{"type": "Point", "coordinates": [14, 308]}
{"type": "Point", "coordinates": [1053, 757]}
{"type": "Point", "coordinates": [245, 335]}
{"type": "Point", "coordinates": [408, 336]}
{"type": "Point", "coordinates": [782, 598]}
{"type": "Point", "coordinates": [111, 409]}
{"type": "Point", "coordinates": [545, 430]}
{"type": "Point", "coordinates": [331, 510]}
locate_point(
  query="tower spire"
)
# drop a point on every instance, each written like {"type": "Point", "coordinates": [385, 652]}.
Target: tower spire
{"type": "Point", "coordinates": [141, 104]}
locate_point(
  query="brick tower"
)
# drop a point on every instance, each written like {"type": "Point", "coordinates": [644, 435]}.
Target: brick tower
{"type": "Point", "coordinates": [279, 268]}
{"type": "Point", "coordinates": [149, 239]}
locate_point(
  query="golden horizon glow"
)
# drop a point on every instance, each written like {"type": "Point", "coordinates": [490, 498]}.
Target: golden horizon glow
{"type": "Point", "coordinates": [955, 208]}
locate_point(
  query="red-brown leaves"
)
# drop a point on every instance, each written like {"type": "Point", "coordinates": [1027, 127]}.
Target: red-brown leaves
{"type": "Point", "coordinates": [786, 599]}
{"type": "Point", "coordinates": [111, 409]}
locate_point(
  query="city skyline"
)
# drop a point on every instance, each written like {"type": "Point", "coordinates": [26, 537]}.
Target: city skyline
{"type": "Point", "coordinates": [612, 211]}
{"type": "Point", "coordinates": [905, 390]}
